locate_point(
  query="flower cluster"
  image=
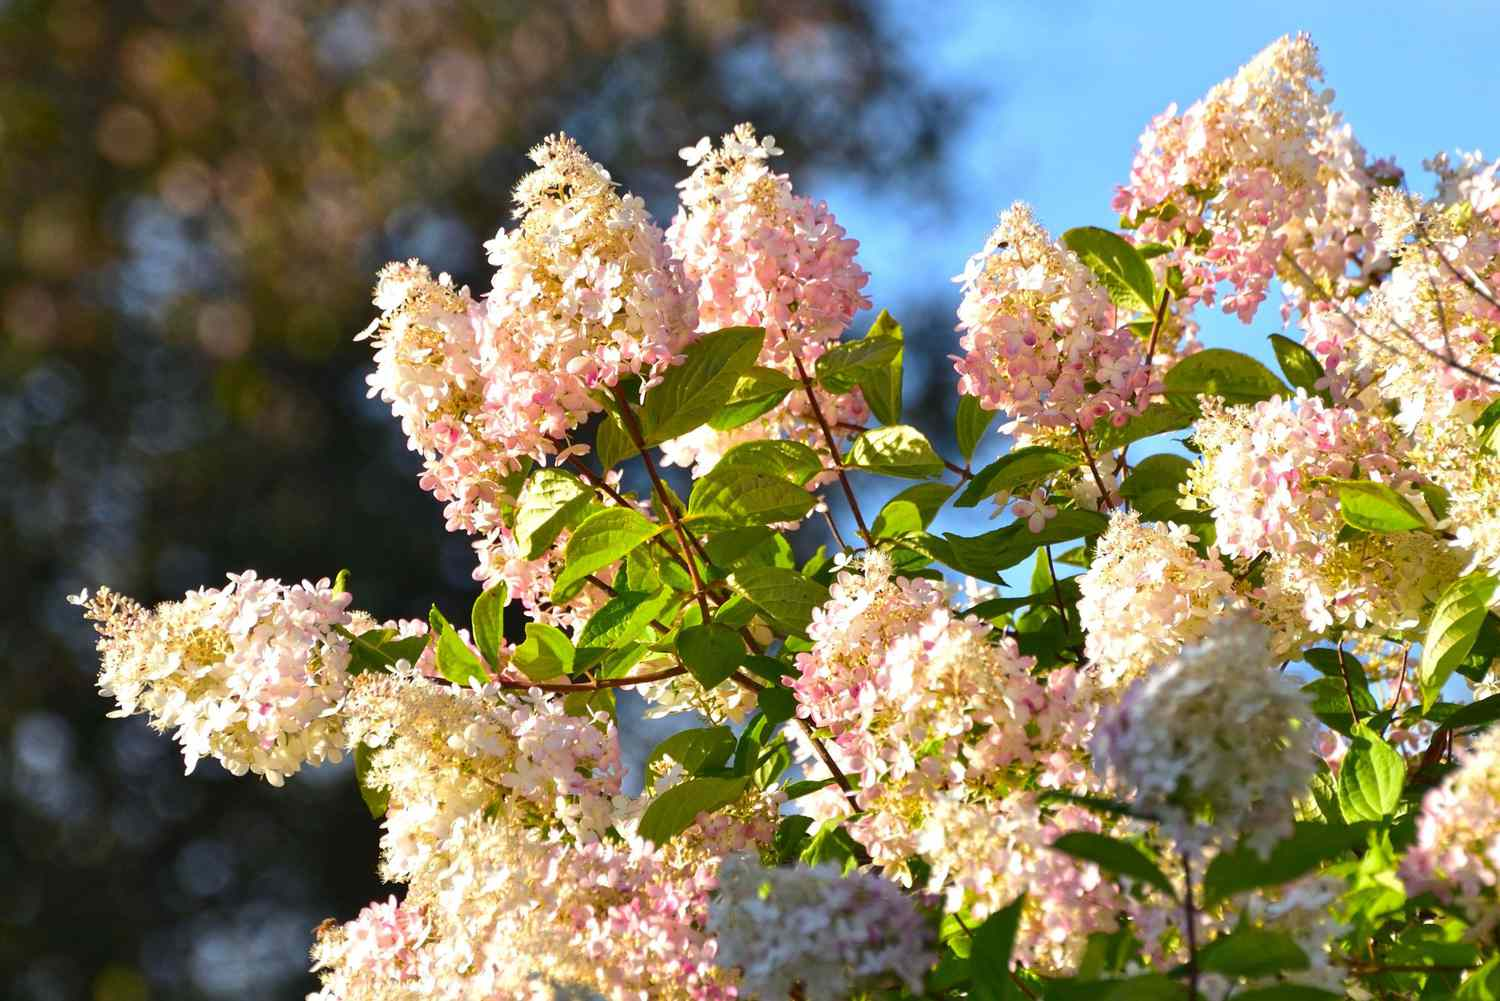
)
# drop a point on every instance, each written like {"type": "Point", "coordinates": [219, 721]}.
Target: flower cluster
{"type": "Point", "coordinates": [828, 935]}
{"type": "Point", "coordinates": [763, 256]}
{"type": "Point", "coordinates": [941, 723]}
{"type": "Point", "coordinates": [1173, 594]}
{"type": "Point", "coordinates": [1214, 741]}
{"type": "Point", "coordinates": [1457, 854]}
{"type": "Point", "coordinates": [1259, 178]}
{"type": "Point", "coordinates": [1039, 337]}
{"type": "Point", "coordinates": [251, 674]}
{"type": "Point", "coordinates": [1267, 473]}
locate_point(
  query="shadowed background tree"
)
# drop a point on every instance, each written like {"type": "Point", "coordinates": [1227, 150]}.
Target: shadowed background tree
{"type": "Point", "coordinates": [195, 198]}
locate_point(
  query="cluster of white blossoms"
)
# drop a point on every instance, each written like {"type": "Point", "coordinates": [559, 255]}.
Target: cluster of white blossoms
{"type": "Point", "coordinates": [1040, 338]}
{"type": "Point", "coordinates": [763, 256]}
{"type": "Point", "coordinates": [1213, 742]}
{"type": "Point", "coordinates": [252, 674]}
{"type": "Point", "coordinates": [829, 935]}
{"type": "Point", "coordinates": [1457, 854]}
{"type": "Point", "coordinates": [1173, 596]}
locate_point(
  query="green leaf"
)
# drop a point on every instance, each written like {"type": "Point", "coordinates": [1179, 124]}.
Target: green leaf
{"type": "Point", "coordinates": [378, 649]}
{"type": "Point", "coordinates": [697, 750]}
{"type": "Point", "coordinates": [1113, 856]}
{"type": "Point", "coordinates": [1147, 987]}
{"type": "Point", "coordinates": [1482, 984]}
{"type": "Point", "coordinates": [1119, 267]}
{"type": "Point", "coordinates": [777, 703]}
{"type": "Point", "coordinates": [873, 364]}
{"type": "Point", "coordinates": [971, 424]}
{"type": "Point", "coordinates": [376, 798]}
{"type": "Point", "coordinates": [756, 392]}
{"type": "Point", "coordinates": [1021, 466]}
{"type": "Point", "coordinates": [1158, 418]}
{"type": "Point", "coordinates": [1310, 846]}
{"type": "Point", "coordinates": [675, 810]}
{"type": "Point", "coordinates": [619, 621]}
{"type": "Point", "coordinates": [1376, 507]}
{"type": "Point", "coordinates": [1370, 778]}
{"type": "Point", "coordinates": [1457, 618]}
{"type": "Point", "coordinates": [1252, 952]}
{"type": "Point", "coordinates": [341, 582]}
{"type": "Point", "coordinates": [1152, 486]}
{"type": "Point", "coordinates": [785, 596]}
{"type": "Point", "coordinates": [1475, 714]}
{"type": "Point", "coordinates": [1300, 366]}
{"type": "Point", "coordinates": [612, 444]}
{"type": "Point", "coordinates": [832, 844]}
{"type": "Point", "coordinates": [900, 450]}
{"type": "Point", "coordinates": [735, 495]}
{"type": "Point", "coordinates": [696, 390]}
{"type": "Point", "coordinates": [1236, 377]}
{"type": "Point", "coordinates": [989, 956]}
{"type": "Point", "coordinates": [488, 622]}
{"type": "Point", "coordinates": [984, 556]}
{"type": "Point", "coordinates": [604, 536]}
{"type": "Point", "coordinates": [912, 510]}
{"type": "Point", "coordinates": [790, 460]}
{"type": "Point", "coordinates": [1287, 992]}
{"type": "Point", "coordinates": [546, 652]}
{"type": "Point", "coordinates": [455, 661]}
{"type": "Point", "coordinates": [550, 501]}
{"type": "Point", "coordinates": [710, 652]}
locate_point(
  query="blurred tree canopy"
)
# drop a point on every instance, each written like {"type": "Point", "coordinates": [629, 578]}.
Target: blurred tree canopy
{"type": "Point", "coordinates": [194, 198]}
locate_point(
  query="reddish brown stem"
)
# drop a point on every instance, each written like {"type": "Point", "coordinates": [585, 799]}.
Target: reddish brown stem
{"type": "Point", "coordinates": [833, 450]}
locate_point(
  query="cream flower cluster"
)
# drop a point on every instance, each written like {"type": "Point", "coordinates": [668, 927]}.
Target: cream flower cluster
{"type": "Point", "coordinates": [763, 256]}
{"type": "Point", "coordinates": [251, 674]}
{"type": "Point", "coordinates": [1265, 472]}
{"type": "Point", "coordinates": [445, 752]}
{"type": "Point", "coordinates": [810, 928]}
{"type": "Point", "coordinates": [1258, 178]}
{"type": "Point", "coordinates": [941, 723]}
{"type": "Point", "coordinates": [1213, 742]}
{"type": "Point", "coordinates": [1457, 854]}
{"type": "Point", "coordinates": [1145, 594]}
{"type": "Point", "coordinates": [1039, 335]}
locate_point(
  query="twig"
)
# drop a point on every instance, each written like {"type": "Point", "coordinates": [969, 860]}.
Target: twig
{"type": "Point", "coordinates": [833, 449]}
{"type": "Point", "coordinates": [1190, 926]}
{"type": "Point", "coordinates": [1093, 468]}
{"type": "Point", "coordinates": [1348, 686]}
{"type": "Point", "coordinates": [1062, 610]}
{"type": "Point", "coordinates": [514, 685]}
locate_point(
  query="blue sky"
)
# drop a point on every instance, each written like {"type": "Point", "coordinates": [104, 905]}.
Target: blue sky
{"type": "Point", "coordinates": [1063, 90]}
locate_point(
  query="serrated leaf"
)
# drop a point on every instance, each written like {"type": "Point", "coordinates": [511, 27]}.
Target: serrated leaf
{"type": "Point", "coordinates": [697, 389]}
{"type": "Point", "coordinates": [1287, 992]}
{"type": "Point", "coordinates": [488, 622]}
{"type": "Point", "coordinates": [912, 510]}
{"type": "Point", "coordinates": [1376, 507]}
{"type": "Point", "coordinates": [618, 621]}
{"type": "Point", "coordinates": [900, 450]}
{"type": "Point", "coordinates": [1152, 486]}
{"type": "Point", "coordinates": [1021, 466]}
{"type": "Point", "coordinates": [1119, 267]}
{"type": "Point", "coordinates": [1115, 857]}
{"type": "Point", "coordinates": [777, 703]}
{"type": "Point", "coordinates": [790, 460]}
{"type": "Point", "coordinates": [785, 596]}
{"type": "Point", "coordinates": [1158, 418]}
{"type": "Point", "coordinates": [376, 798]}
{"type": "Point", "coordinates": [455, 661]}
{"type": "Point", "coordinates": [378, 649]}
{"type": "Point", "coordinates": [612, 444]}
{"type": "Point", "coordinates": [873, 364]}
{"type": "Point", "coordinates": [1475, 714]}
{"type": "Point", "coordinates": [1457, 618]}
{"type": "Point", "coordinates": [1300, 366]}
{"type": "Point", "coordinates": [674, 811]}
{"type": "Point", "coordinates": [1235, 377]}
{"type": "Point", "coordinates": [711, 652]}
{"type": "Point", "coordinates": [1370, 778]}
{"type": "Point", "coordinates": [984, 556]}
{"type": "Point", "coordinates": [756, 392]}
{"type": "Point", "coordinates": [603, 537]}
{"type": "Point", "coordinates": [1310, 846]}
{"type": "Point", "coordinates": [734, 495]}
{"type": "Point", "coordinates": [1252, 953]}
{"type": "Point", "coordinates": [550, 501]}
{"type": "Point", "coordinates": [545, 653]}
{"type": "Point", "coordinates": [990, 952]}
{"type": "Point", "coordinates": [697, 750]}
{"type": "Point", "coordinates": [971, 424]}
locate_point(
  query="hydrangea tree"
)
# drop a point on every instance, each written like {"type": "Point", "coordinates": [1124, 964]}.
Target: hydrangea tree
{"type": "Point", "coordinates": [1242, 749]}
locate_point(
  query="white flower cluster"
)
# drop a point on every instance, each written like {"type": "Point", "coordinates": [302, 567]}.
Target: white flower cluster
{"type": "Point", "coordinates": [1457, 854]}
{"type": "Point", "coordinates": [251, 674]}
{"type": "Point", "coordinates": [1215, 741]}
{"type": "Point", "coordinates": [812, 929]}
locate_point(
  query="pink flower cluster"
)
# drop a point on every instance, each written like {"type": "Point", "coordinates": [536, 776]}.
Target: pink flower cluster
{"type": "Point", "coordinates": [1039, 335]}
{"type": "Point", "coordinates": [1257, 178]}
{"type": "Point", "coordinates": [763, 256]}
{"type": "Point", "coordinates": [252, 674]}
{"type": "Point", "coordinates": [1457, 854]}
